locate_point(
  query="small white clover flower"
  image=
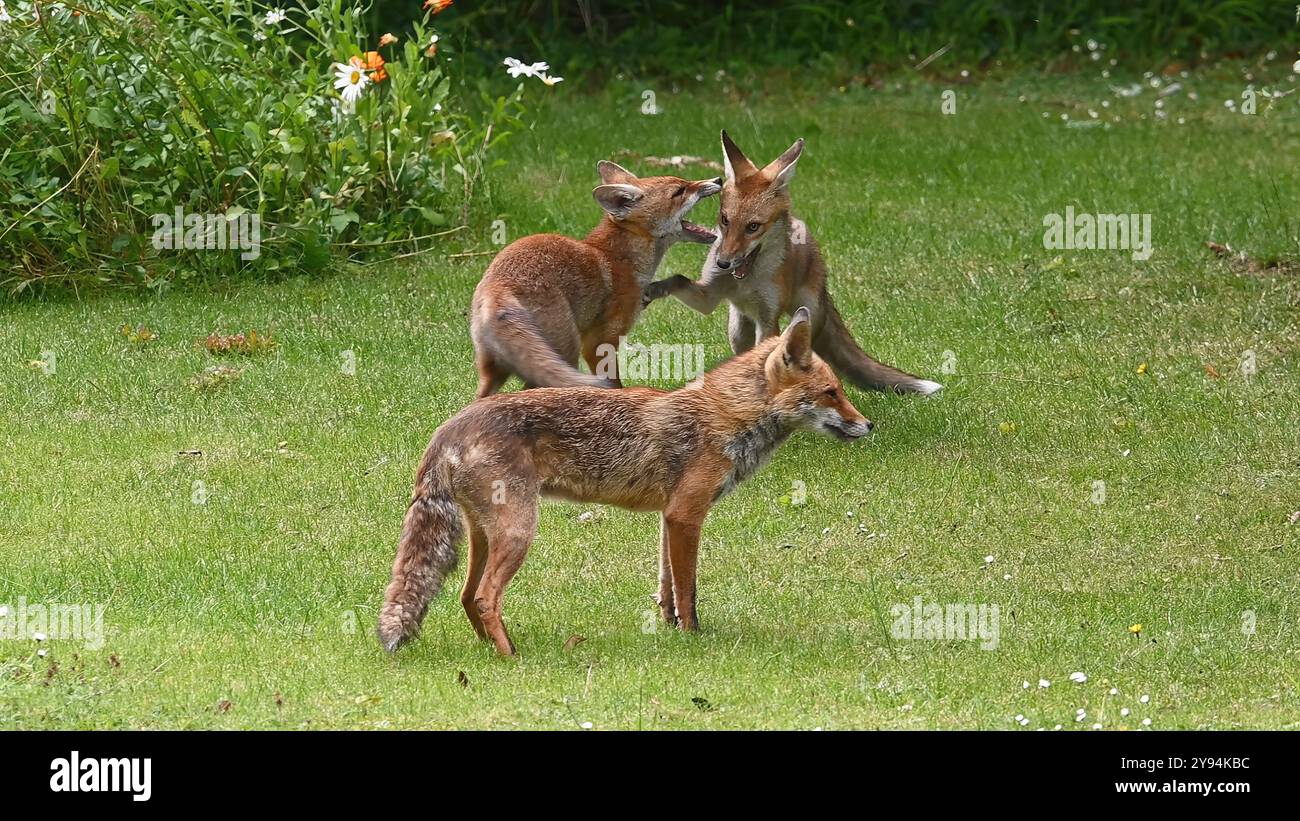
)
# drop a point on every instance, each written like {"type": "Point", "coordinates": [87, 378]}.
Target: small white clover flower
{"type": "Point", "coordinates": [1078, 678]}
{"type": "Point", "coordinates": [274, 17]}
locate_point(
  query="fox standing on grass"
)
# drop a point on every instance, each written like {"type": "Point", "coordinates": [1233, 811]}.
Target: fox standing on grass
{"type": "Point", "coordinates": [546, 298]}
{"type": "Point", "coordinates": [765, 264]}
{"type": "Point", "coordinates": [643, 449]}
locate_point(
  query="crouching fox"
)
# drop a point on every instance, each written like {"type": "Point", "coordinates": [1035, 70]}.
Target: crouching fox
{"type": "Point", "coordinates": [677, 452]}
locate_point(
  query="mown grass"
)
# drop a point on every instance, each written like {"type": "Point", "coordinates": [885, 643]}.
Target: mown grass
{"type": "Point", "coordinates": [257, 608]}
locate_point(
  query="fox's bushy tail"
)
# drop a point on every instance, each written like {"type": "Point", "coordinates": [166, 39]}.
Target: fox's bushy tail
{"type": "Point", "coordinates": [835, 344]}
{"type": "Point", "coordinates": [514, 341]}
{"type": "Point", "coordinates": [426, 554]}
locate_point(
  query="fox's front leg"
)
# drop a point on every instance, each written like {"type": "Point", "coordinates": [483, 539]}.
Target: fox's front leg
{"type": "Point", "coordinates": [702, 296]}
{"type": "Point", "coordinates": [682, 522]}
{"type": "Point", "coordinates": [667, 604]}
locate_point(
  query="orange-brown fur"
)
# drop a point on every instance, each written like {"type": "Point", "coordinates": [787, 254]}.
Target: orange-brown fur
{"type": "Point", "coordinates": [765, 264]}
{"type": "Point", "coordinates": [676, 452]}
{"type": "Point", "coordinates": [547, 299]}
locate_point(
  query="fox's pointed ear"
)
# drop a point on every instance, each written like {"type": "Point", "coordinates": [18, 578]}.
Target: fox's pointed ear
{"type": "Point", "coordinates": [781, 170]}
{"type": "Point", "coordinates": [617, 198]}
{"type": "Point", "coordinates": [611, 172]}
{"type": "Point", "coordinates": [796, 341]}
{"type": "Point", "coordinates": [737, 164]}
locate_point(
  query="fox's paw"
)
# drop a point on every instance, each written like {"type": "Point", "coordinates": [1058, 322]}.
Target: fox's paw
{"type": "Point", "coordinates": [667, 608]}
{"type": "Point", "coordinates": [661, 288]}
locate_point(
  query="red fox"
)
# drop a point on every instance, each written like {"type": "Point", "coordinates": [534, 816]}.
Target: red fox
{"type": "Point", "coordinates": [765, 264]}
{"type": "Point", "coordinates": [546, 298]}
{"type": "Point", "coordinates": [642, 449]}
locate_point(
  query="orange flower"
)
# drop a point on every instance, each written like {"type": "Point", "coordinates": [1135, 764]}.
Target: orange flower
{"type": "Point", "coordinates": [374, 64]}
{"type": "Point", "coordinates": [437, 6]}
{"type": "Point", "coordinates": [387, 39]}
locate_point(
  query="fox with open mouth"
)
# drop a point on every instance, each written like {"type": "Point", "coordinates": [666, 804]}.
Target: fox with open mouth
{"type": "Point", "coordinates": [547, 299]}
{"type": "Point", "coordinates": [766, 265]}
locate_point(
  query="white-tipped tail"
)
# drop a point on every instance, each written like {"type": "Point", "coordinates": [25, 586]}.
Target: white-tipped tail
{"type": "Point", "coordinates": [925, 387]}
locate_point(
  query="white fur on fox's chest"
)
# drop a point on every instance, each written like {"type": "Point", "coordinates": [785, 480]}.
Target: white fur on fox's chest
{"type": "Point", "coordinates": [750, 450]}
{"type": "Point", "coordinates": [758, 296]}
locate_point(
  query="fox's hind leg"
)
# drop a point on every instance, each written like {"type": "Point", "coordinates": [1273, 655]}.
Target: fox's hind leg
{"type": "Point", "coordinates": [601, 357]}
{"type": "Point", "coordinates": [478, 553]}
{"type": "Point", "coordinates": [491, 376]}
{"type": "Point", "coordinates": [509, 537]}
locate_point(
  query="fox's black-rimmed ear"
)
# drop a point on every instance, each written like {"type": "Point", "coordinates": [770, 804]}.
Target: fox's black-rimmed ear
{"type": "Point", "coordinates": [781, 170]}
{"type": "Point", "coordinates": [796, 340]}
{"type": "Point", "coordinates": [612, 172]}
{"type": "Point", "coordinates": [734, 160]}
{"type": "Point", "coordinates": [618, 198]}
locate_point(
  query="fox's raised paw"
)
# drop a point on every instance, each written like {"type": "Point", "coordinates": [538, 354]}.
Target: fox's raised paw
{"type": "Point", "coordinates": [661, 288]}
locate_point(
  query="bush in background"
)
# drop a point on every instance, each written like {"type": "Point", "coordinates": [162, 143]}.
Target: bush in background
{"type": "Point", "coordinates": [685, 37]}
{"type": "Point", "coordinates": [113, 112]}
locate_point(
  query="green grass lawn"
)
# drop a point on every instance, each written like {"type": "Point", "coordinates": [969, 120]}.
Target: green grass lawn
{"type": "Point", "coordinates": [257, 608]}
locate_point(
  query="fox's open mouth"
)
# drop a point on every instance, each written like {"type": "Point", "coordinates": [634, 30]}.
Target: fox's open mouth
{"type": "Point", "coordinates": [740, 270]}
{"type": "Point", "coordinates": [697, 233]}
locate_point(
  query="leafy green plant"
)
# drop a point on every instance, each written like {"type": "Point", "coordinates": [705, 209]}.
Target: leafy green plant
{"type": "Point", "coordinates": [117, 114]}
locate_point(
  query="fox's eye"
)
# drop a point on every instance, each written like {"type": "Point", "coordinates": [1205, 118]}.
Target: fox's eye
{"type": "Point", "coordinates": [680, 191]}
{"type": "Point", "coordinates": [722, 220]}
{"type": "Point", "coordinates": [752, 227]}
{"type": "Point", "coordinates": [832, 393]}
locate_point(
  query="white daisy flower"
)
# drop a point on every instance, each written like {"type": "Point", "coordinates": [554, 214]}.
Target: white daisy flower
{"type": "Point", "coordinates": [1044, 683]}
{"type": "Point", "coordinates": [550, 81]}
{"type": "Point", "coordinates": [38, 636]}
{"type": "Point", "coordinates": [5, 18]}
{"type": "Point", "coordinates": [1145, 699]}
{"type": "Point", "coordinates": [259, 36]}
{"type": "Point", "coordinates": [1078, 678]}
{"type": "Point", "coordinates": [517, 68]}
{"type": "Point", "coordinates": [350, 81]}
{"type": "Point", "coordinates": [275, 16]}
